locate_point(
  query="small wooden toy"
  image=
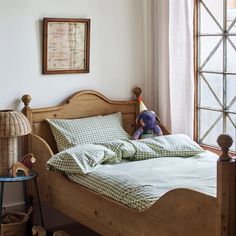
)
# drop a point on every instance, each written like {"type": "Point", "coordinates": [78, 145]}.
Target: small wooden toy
{"type": "Point", "coordinates": [24, 165]}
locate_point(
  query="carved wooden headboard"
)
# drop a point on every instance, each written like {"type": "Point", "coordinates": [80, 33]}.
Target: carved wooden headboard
{"type": "Point", "coordinates": [82, 104]}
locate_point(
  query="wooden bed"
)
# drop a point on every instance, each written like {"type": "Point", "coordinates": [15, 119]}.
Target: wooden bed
{"type": "Point", "coordinates": [179, 212]}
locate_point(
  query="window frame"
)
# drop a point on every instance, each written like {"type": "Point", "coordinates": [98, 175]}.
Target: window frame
{"type": "Point", "coordinates": [196, 77]}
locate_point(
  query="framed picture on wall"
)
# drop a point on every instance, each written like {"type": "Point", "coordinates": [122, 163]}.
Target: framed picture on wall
{"type": "Point", "coordinates": [66, 45]}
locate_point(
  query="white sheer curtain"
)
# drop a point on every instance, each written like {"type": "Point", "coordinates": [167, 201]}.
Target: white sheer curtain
{"type": "Point", "coordinates": [173, 63]}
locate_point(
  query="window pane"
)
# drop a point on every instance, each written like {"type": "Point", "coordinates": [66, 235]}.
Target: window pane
{"type": "Point", "coordinates": [231, 54]}
{"type": "Point", "coordinates": [230, 129]}
{"type": "Point", "coordinates": [231, 92]}
{"type": "Point", "coordinates": [207, 45]}
{"type": "Point", "coordinates": [208, 25]}
{"type": "Point", "coordinates": [231, 15]}
{"type": "Point", "coordinates": [211, 86]}
{"type": "Point", "coordinates": [207, 119]}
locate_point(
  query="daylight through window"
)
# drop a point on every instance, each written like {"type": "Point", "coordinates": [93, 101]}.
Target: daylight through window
{"type": "Point", "coordinates": [216, 70]}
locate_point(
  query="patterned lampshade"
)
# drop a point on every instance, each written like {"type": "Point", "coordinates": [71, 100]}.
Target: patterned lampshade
{"type": "Point", "coordinates": [12, 124]}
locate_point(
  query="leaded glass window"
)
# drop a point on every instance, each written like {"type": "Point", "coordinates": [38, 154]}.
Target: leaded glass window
{"type": "Point", "coordinates": [216, 38]}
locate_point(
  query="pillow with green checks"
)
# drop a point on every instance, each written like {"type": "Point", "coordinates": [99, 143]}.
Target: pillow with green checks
{"type": "Point", "coordinates": [175, 145]}
{"type": "Point", "coordinates": [96, 129]}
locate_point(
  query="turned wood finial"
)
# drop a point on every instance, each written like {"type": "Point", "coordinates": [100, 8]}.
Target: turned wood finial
{"type": "Point", "coordinates": [137, 92]}
{"type": "Point", "coordinates": [26, 100]}
{"type": "Point", "coordinates": [225, 141]}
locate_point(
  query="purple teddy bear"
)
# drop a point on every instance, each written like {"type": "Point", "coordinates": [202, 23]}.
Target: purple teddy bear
{"type": "Point", "coordinates": [148, 124]}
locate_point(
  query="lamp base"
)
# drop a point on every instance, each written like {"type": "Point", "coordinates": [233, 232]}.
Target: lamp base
{"type": "Point", "coordinates": [8, 154]}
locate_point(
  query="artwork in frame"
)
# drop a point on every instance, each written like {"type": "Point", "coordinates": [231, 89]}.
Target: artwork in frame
{"type": "Point", "coordinates": [66, 45]}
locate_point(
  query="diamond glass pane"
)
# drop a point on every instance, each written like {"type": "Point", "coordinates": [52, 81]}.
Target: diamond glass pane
{"type": "Point", "coordinates": [207, 44]}
{"type": "Point", "coordinates": [231, 54]}
{"type": "Point", "coordinates": [215, 62]}
{"type": "Point", "coordinates": [230, 129]}
{"type": "Point", "coordinates": [207, 97]}
{"type": "Point", "coordinates": [207, 23]}
{"type": "Point", "coordinates": [207, 119]}
{"type": "Point", "coordinates": [231, 92]}
{"type": "Point", "coordinates": [231, 15]}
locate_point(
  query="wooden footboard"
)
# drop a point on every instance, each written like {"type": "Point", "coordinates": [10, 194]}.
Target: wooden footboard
{"type": "Point", "coordinates": [179, 212]}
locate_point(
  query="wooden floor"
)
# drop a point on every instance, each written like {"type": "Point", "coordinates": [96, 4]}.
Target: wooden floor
{"type": "Point", "coordinates": [75, 229]}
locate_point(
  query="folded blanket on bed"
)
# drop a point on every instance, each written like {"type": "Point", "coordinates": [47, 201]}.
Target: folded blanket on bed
{"type": "Point", "coordinates": [84, 158]}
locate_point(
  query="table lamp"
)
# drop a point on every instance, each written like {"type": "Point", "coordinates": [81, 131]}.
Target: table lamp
{"type": "Point", "coordinates": [12, 124]}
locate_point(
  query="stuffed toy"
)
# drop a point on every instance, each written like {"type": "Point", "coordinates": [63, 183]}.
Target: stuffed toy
{"type": "Point", "coordinates": [148, 125]}
{"type": "Point", "coordinates": [24, 165]}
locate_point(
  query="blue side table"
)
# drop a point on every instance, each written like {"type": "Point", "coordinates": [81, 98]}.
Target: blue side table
{"type": "Point", "coordinates": [32, 177]}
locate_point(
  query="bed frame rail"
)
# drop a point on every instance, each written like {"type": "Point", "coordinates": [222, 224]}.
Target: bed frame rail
{"type": "Point", "coordinates": [226, 189]}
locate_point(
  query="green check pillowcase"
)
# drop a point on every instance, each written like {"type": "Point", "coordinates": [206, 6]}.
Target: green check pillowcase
{"type": "Point", "coordinates": [71, 132]}
{"type": "Point", "coordinates": [176, 145]}
{"type": "Point", "coordinates": [83, 158]}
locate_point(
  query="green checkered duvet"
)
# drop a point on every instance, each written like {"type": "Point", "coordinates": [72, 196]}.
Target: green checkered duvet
{"type": "Point", "coordinates": [111, 168]}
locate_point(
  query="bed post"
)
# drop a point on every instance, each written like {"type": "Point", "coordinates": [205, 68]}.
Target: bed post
{"type": "Point", "coordinates": [226, 189]}
{"type": "Point", "coordinates": [137, 92]}
{"type": "Point", "coordinates": [27, 112]}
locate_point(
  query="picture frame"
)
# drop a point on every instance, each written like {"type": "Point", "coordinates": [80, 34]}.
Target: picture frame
{"type": "Point", "coordinates": [66, 45]}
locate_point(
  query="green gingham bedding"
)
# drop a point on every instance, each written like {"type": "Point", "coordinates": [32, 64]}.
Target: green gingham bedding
{"type": "Point", "coordinates": [84, 158]}
{"type": "Point", "coordinates": [112, 169]}
{"type": "Point", "coordinates": [71, 132]}
{"type": "Point", "coordinates": [139, 184]}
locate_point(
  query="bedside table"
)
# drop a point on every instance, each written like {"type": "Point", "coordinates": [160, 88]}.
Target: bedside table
{"type": "Point", "coordinates": [32, 177]}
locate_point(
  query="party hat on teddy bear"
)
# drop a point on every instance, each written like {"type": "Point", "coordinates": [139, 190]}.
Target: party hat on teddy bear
{"type": "Point", "coordinates": [142, 106]}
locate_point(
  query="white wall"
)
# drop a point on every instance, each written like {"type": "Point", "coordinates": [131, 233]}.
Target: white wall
{"type": "Point", "coordinates": [117, 53]}
{"type": "Point", "coordinates": [117, 49]}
